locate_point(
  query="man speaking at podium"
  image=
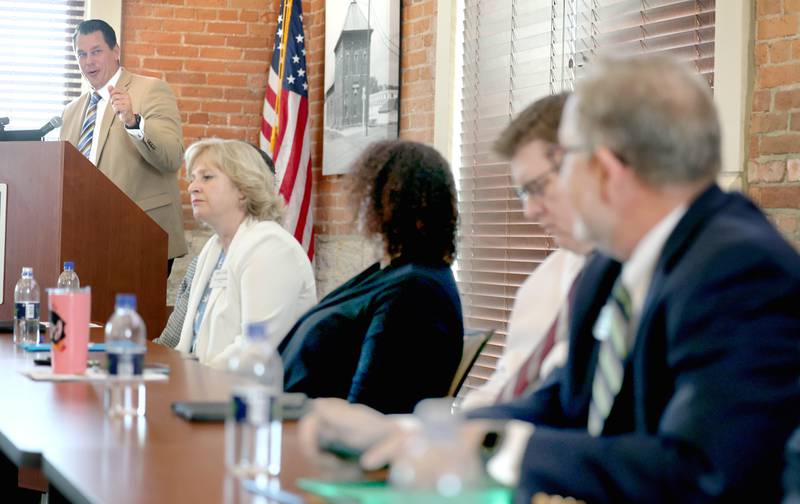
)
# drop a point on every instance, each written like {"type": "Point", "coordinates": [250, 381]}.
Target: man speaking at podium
{"type": "Point", "coordinates": [130, 128]}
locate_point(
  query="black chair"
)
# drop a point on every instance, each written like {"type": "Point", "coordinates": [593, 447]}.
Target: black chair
{"type": "Point", "coordinates": [474, 341]}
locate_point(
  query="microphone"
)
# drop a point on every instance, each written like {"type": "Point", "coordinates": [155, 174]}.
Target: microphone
{"type": "Point", "coordinates": [27, 135]}
{"type": "Point", "coordinates": [52, 124]}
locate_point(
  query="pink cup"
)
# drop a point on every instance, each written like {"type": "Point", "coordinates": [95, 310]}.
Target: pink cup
{"type": "Point", "coordinates": [70, 311]}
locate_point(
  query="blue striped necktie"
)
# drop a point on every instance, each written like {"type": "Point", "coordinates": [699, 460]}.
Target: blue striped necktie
{"type": "Point", "coordinates": [612, 329]}
{"type": "Point", "coordinates": [87, 130]}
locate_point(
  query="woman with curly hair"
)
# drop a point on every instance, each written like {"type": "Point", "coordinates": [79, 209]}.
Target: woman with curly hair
{"type": "Point", "coordinates": [392, 335]}
{"type": "Point", "coordinates": [251, 270]}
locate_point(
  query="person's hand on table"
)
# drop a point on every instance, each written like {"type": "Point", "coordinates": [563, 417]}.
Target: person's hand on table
{"type": "Point", "coordinates": [377, 440]}
{"type": "Point", "coordinates": [391, 447]}
{"type": "Point", "coordinates": [342, 428]}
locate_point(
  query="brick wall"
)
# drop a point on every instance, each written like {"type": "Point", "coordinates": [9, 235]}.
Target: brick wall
{"type": "Point", "coordinates": [773, 172]}
{"type": "Point", "coordinates": [212, 53]}
{"type": "Point", "coordinates": [215, 55]}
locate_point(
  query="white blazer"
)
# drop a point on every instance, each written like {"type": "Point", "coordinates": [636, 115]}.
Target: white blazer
{"type": "Point", "coordinates": [266, 276]}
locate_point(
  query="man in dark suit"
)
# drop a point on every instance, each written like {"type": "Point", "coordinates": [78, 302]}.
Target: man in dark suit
{"type": "Point", "coordinates": [682, 379]}
{"type": "Point", "coordinates": [681, 383]}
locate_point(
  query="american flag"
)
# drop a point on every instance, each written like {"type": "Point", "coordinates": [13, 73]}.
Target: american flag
{"type": "Point", "coordinates": [284, 123]}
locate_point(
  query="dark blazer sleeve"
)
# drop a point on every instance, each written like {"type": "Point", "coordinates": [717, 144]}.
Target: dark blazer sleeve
{"type": "Point", "coordinates": [732, 360]}
{"type": "Point", "coordinates": [540, 407]}
{"type": "Point", "coordinates": [412, 346]}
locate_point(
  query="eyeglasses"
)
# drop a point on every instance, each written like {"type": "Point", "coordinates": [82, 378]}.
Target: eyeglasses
{"type": "Point", "coordinates": [536, 187]}
{"type": "Point", "coordinates": [555, 153]}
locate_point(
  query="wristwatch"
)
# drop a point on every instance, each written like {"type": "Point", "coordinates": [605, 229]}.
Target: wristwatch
{"type": "Point", "coordinates": [137, 123]}
{"type": "Point", "coordinates": [491, 443]}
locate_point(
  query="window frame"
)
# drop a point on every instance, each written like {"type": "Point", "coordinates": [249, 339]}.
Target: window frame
{"type": "Point", "coordinates": [40, 74]}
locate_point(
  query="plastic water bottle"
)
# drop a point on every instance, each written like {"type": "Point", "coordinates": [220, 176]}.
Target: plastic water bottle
{"type": "Point", "coordinates": [435, 464]}
{"type": "Point", "coordinates": [253, 427]}
{"type": "Point", "coordinates": [26, 309]}
{"type": "Point", "coordinates": [68, 279]}
{"type": "Point", "coordinates": [126, 338]}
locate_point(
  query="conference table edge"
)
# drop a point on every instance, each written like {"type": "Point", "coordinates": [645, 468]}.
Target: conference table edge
{"type": "Point", "coordinates": [63, 485]}
{"type": "Point", "coordinates": [20, 457]}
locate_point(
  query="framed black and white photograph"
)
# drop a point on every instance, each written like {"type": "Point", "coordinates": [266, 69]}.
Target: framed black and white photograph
{"type": "Point", "coordinates": [362, 78]}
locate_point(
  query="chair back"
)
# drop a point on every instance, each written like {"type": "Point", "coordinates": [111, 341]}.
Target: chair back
{"type": "Point", "coordinates": [474, 341]}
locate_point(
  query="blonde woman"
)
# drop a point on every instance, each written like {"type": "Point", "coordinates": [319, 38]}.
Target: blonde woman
{"type": "Point", "coordinates": [252, 269]}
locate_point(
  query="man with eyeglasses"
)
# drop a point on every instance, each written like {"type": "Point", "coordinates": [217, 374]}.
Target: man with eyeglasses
{"type": "Point", "coordinates": [681, 383]}
{"type": "Point", "coordinates": [536, 340]}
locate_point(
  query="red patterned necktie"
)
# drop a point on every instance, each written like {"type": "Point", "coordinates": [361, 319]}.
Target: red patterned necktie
{"type": "Point", "coordinates": [527, 377]}
{"type": "Point", "coordinates": [528, 373]}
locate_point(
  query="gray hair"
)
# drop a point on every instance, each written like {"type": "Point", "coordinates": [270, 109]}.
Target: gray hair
{"type": "Point", "coordinates": [243, 164]}
{"type": "Point", "coordinates": [655, 114]}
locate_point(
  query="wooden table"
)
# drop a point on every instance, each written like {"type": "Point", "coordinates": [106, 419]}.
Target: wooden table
{"type": "Point", "coordinates": [91, 458]}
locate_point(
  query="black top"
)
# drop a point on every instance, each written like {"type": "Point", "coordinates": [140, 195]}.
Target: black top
{"type": "Point", "coordinates": [387, 338]}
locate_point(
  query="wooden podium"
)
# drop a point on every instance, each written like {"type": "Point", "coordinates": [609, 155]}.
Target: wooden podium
{"type": "Point", "coordinates": [61, 208]}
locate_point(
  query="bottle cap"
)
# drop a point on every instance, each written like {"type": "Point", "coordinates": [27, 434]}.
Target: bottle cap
{"type": "Point", "coordinates": [27, 272]}
{"type": "Point", "coordinates": [256, 330]}
{"type": "Point", "coordinates": [69, 266]}
{"type": "Point", "coordinates": [126, 301]}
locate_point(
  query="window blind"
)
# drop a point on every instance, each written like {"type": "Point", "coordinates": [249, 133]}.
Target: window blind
{"type": "Point", "coordinates": [682, 28]}
{"type": "Point", "coordinates": [516, 51]}
{"type": "Point", "coordinates": [38, 71]}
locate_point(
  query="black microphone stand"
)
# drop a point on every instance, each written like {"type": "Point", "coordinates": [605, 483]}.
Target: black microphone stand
{"type": "Point", "coordinates": [18, 135]}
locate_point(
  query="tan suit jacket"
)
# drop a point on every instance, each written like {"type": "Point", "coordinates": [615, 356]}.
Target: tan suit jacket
{"type": "Point", "coordinates": [146, 169]}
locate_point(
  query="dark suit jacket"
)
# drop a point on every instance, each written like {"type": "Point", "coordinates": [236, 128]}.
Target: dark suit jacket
{"type": "Point", "coordinates": [711, 388]}
{"type": "Point", "coordinates": [386, 338]}
{"type": "Point", "coordinates": [791, 475]}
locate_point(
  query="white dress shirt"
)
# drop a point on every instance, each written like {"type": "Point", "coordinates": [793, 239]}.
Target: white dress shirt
{"type": "Point", "coordinates": [637, 272]}
{"type": "Point", "coordinates": [102, 104]}
{"type": "Point", "coordinates": [536, 305]}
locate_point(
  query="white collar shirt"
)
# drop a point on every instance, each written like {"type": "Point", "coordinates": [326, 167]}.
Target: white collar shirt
{"type": "Point", "coordinates": [105, 96]}
{"type": "Point", "coordinates": [637, 272]}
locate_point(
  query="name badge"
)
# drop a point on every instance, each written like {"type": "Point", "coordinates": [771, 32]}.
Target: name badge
{"type": "Point", "coordinates": [219, 279]}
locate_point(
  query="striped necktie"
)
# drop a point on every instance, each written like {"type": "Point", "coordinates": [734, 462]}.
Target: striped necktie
{"type": "Point", "coordinates": [528, 374]}
{"type": "Point", "coordinates": [85, 141]}
{"type": "Point", "coordinates": [612, 328]}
